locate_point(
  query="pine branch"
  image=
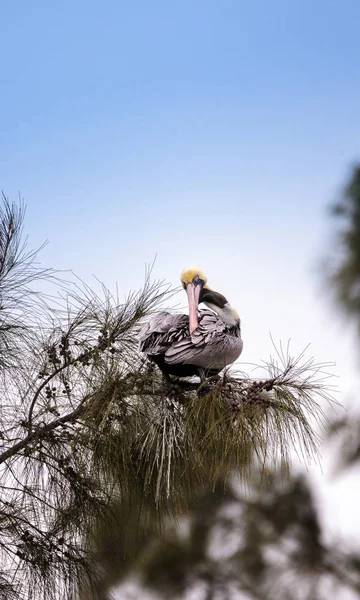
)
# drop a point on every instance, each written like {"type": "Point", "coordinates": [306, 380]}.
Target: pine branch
{"type": "Point", "coordinates": [41, 432]}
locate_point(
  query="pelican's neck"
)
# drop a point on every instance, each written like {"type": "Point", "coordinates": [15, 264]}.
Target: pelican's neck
{"type": "Point", "coordinates": [227, 314]}
{"type": "Point", "coordinates": [218, 303]}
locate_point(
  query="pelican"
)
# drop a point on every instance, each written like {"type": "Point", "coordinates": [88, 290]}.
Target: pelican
{"type": "Point", "coordinates": [202, 343]}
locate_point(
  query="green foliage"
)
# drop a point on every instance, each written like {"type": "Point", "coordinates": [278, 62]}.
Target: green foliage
{"type": "Point", "coordinates": [345, 435]}
{"type": "Point", "coordinates": [345, 266]}
{"type": "Point", "coordinates": [20, 304]}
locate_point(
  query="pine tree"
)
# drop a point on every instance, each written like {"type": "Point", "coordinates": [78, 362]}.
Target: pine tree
{"type": "Point", "coordinates": [90, 437]}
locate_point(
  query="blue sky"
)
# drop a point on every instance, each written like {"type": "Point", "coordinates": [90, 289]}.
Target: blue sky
{"type": "Point", "coordinates": [116, 115]}
{"type": "Point", "coordinates": [201, 132]}
{"type": "Point", "coordinates": [213, 133]}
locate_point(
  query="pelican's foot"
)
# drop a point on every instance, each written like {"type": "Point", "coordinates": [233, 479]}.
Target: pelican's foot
{"type": "Point", "coordinates": [207, 386]}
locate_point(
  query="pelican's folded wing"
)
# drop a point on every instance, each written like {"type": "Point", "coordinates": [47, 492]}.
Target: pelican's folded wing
{"type": "Point", "coordinates": [188, 350]}
{"type": "Point", "coordinates": [162, 330]}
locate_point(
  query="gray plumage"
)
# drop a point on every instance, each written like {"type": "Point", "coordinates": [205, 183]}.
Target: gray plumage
{"type": "Point", "coordinates": [166, 340]}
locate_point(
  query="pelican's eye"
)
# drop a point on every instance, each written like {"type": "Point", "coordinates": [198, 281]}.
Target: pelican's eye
{"type": "Point", "coordinates": [197, 280]}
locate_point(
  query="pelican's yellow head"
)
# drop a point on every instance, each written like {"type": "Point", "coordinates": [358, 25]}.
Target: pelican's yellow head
{"type": "Point", "coordinates": [187, 275]}
{"type": "Point", "coordinates": [194, 282]}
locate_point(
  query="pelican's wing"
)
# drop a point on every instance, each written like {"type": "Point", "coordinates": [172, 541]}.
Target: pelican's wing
{"type": "Point", "coordinates": [162, 330]}
{"type": "Point", "coordinates": [189, 350]}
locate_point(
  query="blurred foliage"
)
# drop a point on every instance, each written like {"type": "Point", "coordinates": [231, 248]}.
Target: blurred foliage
{"type": "Point", "coordinates": [344, 267]}
{"type": "Point", "coordinates": [345, 435]}
{"type": "Point", "coordinates": [259, 544]}
{"type": "Point", "coordinates": [344, 280]}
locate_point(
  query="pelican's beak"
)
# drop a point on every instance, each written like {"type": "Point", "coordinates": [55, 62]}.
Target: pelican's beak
{"type": "Point", "coordinates": [193, 290]}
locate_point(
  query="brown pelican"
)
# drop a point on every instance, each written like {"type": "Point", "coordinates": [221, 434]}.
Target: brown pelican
{"type": "Point", "coordinates": [202, 343]}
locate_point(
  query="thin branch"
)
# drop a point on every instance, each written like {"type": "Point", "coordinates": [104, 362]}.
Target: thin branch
{"type": "Point", "coordinates": [41, 431]}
